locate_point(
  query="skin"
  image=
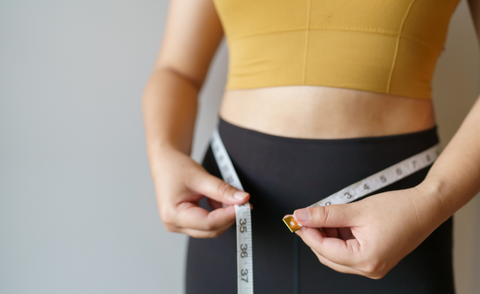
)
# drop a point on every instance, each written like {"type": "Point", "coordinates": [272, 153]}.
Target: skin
{"type": "Point", "coordinates": [368, 237]}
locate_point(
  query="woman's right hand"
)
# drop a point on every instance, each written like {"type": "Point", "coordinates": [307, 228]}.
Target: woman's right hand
{"type": "Point", "coordinates": [180, 183]}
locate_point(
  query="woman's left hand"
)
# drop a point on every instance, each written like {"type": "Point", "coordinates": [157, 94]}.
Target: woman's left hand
{"type": "Point", "coordinates": [371, 236]}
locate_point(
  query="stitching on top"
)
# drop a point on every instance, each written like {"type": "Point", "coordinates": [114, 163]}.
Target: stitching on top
{"type": "Point", "coordinates": [306, 44]}
{"type": "Point", "coordinates": [376, 31]}
{"type": "Point", "coordinates": [363, 29]}
{"type": "Point", "coordinates": [395, 54]}
{"type": "Point", "coordinates": [341, 28]}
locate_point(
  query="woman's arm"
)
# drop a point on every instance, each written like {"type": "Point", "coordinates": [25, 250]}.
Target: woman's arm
{"type": "Point", "coordinates": [371, 236]}
{"type": "Point", "coordinates": [454, 179]}
{"type": "Point", "coordinates": [193, 33]}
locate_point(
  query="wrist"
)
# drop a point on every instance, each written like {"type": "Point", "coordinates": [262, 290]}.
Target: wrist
{"type": "Point", "coordinates": [161, 147]}
{"type": "Point", "coordinates": [161, 155]}
{"type": "Point", "coordinates": [432, 193]}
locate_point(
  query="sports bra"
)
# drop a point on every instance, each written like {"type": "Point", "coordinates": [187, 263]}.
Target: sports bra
{"type": "Point", "coordinates": [386, 46]}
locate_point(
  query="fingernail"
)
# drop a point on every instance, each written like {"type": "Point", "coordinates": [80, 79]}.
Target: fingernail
{"type": "Point", "coordinates": [240, 195]}
{"type": "Point", "coordinates": [302, 215]}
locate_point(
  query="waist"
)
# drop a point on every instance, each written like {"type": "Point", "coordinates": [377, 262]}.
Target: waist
{"type": "Point", "coordinates": [283, 174]}
{"type": "Point", "coordinates": [318, 112]}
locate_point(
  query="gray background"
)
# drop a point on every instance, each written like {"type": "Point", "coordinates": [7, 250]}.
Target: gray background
{"type": "Point", "coordinates": [77, 205]}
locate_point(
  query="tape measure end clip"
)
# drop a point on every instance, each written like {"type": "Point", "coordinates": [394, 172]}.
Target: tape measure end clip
{"type": "Point", "coordinates": [291, 223]}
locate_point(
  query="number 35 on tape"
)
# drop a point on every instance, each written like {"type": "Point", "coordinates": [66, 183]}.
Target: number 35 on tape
{"type": "Point", "coordinates": [243, 218]}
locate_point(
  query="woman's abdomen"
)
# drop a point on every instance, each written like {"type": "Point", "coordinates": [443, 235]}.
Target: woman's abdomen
{"type": "Point", "coordinates": [325, 112]}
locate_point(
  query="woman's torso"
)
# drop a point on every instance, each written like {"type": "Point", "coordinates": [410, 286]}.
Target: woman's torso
{"type": "Point", "coordinates": [332, 68]}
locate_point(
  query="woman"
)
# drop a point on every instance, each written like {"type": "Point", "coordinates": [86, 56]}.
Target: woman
{"type": "Point", "coordinates": [320, 94]}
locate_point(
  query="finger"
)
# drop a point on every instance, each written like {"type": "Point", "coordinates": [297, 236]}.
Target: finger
{"type": "Point", "coordinates": [188, 215]}
{"type": "Point", "coordinates": [346, 269]}
{"type": "Point", "coordinates": [342, 252]}
{"type": "Point", "coordinates": [215, 188]}
{"type": "Point", "coordinates": [336, 216]}
{"type": "Point", "coordinates": [336, 266]}
{"type": "Point", "coordinates": [205, 234]}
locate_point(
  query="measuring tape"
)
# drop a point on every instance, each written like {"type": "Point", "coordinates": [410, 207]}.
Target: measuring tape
{"type": "Point", "coordinates": [244, 219]}
{"type": "Point", "coordinates": [355, 191]}
{"type": "Point", "coordinates": [374, 182]}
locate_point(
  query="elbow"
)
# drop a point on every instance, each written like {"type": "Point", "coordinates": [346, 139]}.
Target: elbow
{"type": "Point", "coordinates": [195, 82]}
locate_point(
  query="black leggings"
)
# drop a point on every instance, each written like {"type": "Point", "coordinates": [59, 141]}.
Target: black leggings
{"type": "Point", "coordinates": [283, 174]}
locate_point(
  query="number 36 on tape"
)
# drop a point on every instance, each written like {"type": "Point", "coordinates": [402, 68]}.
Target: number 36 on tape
{"type": "Point", "coordinates": [243, 218]}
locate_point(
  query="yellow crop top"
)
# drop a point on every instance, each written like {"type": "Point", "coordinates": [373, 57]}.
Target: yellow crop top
{"type": "Point", "coordinates": [386, 46]}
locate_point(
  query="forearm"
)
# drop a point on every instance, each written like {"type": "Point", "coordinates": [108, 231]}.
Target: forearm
{"type": "Point", "coordinates": [169, 110]}
{"type": "Point", "coordinates": [454, 179]}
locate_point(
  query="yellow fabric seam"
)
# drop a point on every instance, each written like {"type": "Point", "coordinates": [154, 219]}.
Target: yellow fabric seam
{"type": "Point", "coordinates": [351, 29]}
{"type": "Point", "coordinates": [306, 44]}
{"type": "Point", "coordinates": [394, 61]}
{"type": "Point", "coordinates": [325, 85]}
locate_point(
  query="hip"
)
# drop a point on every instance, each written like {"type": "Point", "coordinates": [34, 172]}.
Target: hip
{"type": "Point", "coordinates": [283, 174]}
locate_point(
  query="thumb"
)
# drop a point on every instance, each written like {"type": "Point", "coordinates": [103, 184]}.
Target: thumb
{"type": "Point", "coordinates": [334, 216]}
{"type": "Point", "coordinates": [216, 189]}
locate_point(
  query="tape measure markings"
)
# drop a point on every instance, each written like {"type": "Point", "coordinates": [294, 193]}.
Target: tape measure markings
{"type": "Point", "coordinates": [242, 215]}
{"type": "Point", "coordinates": [375, 182]}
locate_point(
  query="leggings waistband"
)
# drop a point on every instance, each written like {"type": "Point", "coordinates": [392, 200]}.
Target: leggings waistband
{"type": "Point", "coordinates": [428, 134]}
